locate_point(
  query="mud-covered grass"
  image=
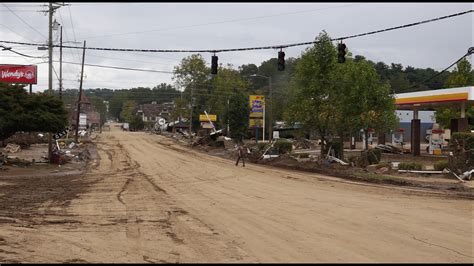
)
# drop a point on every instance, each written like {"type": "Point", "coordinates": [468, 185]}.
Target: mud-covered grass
{"type": "Point", "coordinates": [22, 192]}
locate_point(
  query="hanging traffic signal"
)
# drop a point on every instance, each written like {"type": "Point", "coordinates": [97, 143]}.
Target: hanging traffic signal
{"type": "Point", "coordinates": [214, 65]}
{"type": "Point", "coordinates": [341, 56]}
{"type": "Point", "coordinates": [281, 61]}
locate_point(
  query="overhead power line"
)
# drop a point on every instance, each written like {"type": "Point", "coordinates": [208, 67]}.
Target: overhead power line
{"type": "Point", "coordinates": [25, 55]}
{"type": "Point", "coordinates": [115, 67]}
{"type": "Point", "coordinates": [92, 65]}
{"type": "Point", "coordinates": [26, 23]}
{"type": "Point", "coordinates": [8, 28]}
{"type": "Point", "coordinates": [250, 48]}
{"type": "Point", "coordinates": [469, 52]}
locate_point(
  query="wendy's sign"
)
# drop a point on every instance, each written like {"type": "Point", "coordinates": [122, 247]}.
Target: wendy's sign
{"type": "Point", "coordinates": [20, 74]}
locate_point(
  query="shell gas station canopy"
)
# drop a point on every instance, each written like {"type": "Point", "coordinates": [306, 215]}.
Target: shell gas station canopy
{"type": "Point", "coordinates": [455, 98]}
{"type": "Point", "coordinates": [426, 100]}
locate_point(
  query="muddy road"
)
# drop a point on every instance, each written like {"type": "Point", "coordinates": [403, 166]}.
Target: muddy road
{"type": "Point", "coordinates": [148, 199]}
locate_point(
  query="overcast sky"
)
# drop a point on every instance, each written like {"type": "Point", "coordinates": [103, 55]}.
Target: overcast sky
{"type": "Point", "coordinates": [226, 25]}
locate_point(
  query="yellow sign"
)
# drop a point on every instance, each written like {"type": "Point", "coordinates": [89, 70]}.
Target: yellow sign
{"type": "Point", "coordinates": [203, 118]}
{"type": "Point", "coordinates": [255, 122]}
{"type": "Point", "coordinates": [257, 105]}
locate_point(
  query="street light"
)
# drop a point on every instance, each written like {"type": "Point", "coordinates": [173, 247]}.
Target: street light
{"type": "Point", "coordinates": [270, 122]}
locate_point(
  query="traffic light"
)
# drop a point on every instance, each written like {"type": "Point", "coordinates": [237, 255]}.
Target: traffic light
{"type": "Point", "coordinates": [214, 65]}
{"type": "Point", "coordinates": [281, 61]}
{"type": "Point", "coordinates": [341, 55]}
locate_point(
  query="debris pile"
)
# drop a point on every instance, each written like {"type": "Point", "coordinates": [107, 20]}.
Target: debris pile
{"type": "Point", "coordinates": [301, 143]}
{"type": "Point", "coordinates": [64, 153]}
{"type": "Point", "coordinates": [208, 139]}
{"type": "Point", "coordinates": [389, 149]}
{"type": "Point", "coordinates": [26, 139]}
{"type": "Point", "coordinates": [12, 148]}
{"type": "Point", "coordinates": [3, 158]}
{"type": "Point", "coordinates": [14, 161]}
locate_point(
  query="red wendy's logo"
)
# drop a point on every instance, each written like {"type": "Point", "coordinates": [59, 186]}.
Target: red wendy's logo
{"type": "Point", "coordinates": [29, 75]}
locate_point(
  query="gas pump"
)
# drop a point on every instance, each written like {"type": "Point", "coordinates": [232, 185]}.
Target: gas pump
{"type": "Point", "coordinates": [436, 140]}
{"type": "Point", "coordinates": [397, 137]}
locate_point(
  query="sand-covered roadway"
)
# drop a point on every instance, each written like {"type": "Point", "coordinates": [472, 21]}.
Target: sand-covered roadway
{"type": "Point", "coordinates": [147, 199]}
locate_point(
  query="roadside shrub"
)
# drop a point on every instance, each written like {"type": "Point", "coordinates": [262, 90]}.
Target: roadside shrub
{"type": "Point", "coordinates": [369, 157]}
{"type": "Point", "coordinates": [462, 140]}
{"type": "Point", "coordinates": [385, 164]}
{"type": "Point", "coordinates": [462, 147]}
{"type": "Point", "coordinates": [410, 166]}
{"type": "Point", "coordinates": [283, 146]}
{"type": "Point", "coordinates": [439, 166]}
{"type": "Point", "coordinates": [377, 154]}
{"type": "Point", "coordinates": [262, 146]}
{"type": "Point", "coordinates": [136, 123]}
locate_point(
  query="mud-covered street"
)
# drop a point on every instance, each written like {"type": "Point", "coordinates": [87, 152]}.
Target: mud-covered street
{"type": "Point", "coordinates": [145, 198]}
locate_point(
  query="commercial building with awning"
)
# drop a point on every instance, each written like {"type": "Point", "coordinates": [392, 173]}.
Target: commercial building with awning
{"type": "Point", "coordinates": [456, 98]}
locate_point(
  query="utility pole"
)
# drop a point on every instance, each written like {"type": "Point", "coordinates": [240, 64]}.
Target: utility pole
{"type": "Point", "coordinates": [50, 11]}
{"type": "Point", "coordinates": [50, 71]}
{"type": "Point", "coordinates": [61, 64]}
{"type": "Point", "coordinates": [80, 95]}
{"type": "Point", "coordinates": [191, 116]}
{"type": "Point", "coordinates": [228, 127]}
{"type": "Point", "coordinates": [270, 122]}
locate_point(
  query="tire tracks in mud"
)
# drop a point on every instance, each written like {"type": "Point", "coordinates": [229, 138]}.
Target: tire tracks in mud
{"type": "Point", "coordinates": [135, 183]}
{"type": "Point", "coordinates": [187, 232]}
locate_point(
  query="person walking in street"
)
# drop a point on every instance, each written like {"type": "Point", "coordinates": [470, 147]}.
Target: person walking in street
{"type": "Point", "coordinates": [241, 153]}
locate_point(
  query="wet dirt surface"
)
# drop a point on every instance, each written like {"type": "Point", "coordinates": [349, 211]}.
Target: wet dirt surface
{"type": "Point", "coordinates": [150, 200]}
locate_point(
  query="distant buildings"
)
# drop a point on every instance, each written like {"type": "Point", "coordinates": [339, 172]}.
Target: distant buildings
{"type": "Point", "coordinates": [87, 110]}
{"type": "Point", "coordinates": [153, 112]}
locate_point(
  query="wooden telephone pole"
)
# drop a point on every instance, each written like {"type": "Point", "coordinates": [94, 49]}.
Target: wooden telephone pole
{"type": "Point", "coordinates": [80, 95]}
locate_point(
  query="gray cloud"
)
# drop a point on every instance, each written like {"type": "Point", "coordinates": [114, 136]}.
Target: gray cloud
{"type": "Point", "coordinates": [231, 25]}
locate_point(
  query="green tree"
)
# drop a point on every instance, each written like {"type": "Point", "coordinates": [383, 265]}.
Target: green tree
{"type": "Point", "coordinates": [39, 112]}
{"type": "Point", "coordinates": [399, 83]}
{"type": "Point", "coordinates": [128, 111]}
{"type": "Point", "coordinates": [460, 77]}
{"type": "Point", "coordinates": [100, 107]}
{"type": "Point", "coordinates": [334, 99]}
{"type": "Point", "coordinates": [116, 103]}
{"type": "Point", "coordinates": [164, 93]}
{"type": "Point", "coordinates": [136, 123]}
{"type": "Point", "coordinates": [194, 77]}
{"type": "Point", "coordinates": [180, 111]}
{"type": "Point", "coordinates": [238, 114]}
{"type": "Point", "coordinates": [362, 101]}
{"type": "Point", "coordinates": [222, 88]}
{"type": "Point", "coordinates": [314, 84]}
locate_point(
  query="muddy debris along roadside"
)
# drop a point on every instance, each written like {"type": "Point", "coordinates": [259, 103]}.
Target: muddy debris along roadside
{"type": "Point", "coordinates": [30, 149]}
